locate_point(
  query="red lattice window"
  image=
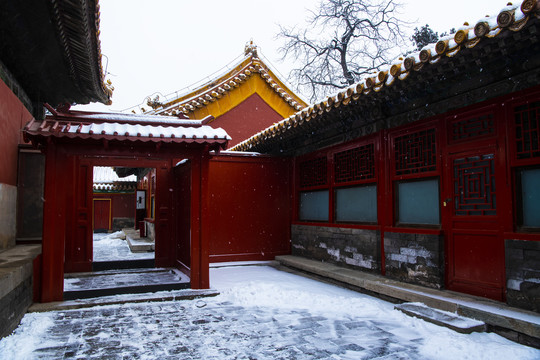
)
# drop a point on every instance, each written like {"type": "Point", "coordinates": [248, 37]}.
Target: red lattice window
{"type": "Point", "coordinates": [416, 152]}
{"type": "Point", "coordinates": [354, 164]}
{"type": "Point", "coordinates": [527, 121]}
{"type": "Point", "coordinates": [474, 185]}
{"type": "Point", "coordinates": [470, 128]}
{"type": "Point", "coordinates": [313, 172]}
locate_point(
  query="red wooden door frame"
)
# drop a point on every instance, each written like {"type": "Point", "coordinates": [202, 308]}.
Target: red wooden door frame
{"type": "Point", "coordinates": [78, 242]}
{"type": "Point", "coordinates": [182, 215]}
{"type": "Point", "coordinates": [61, 171]}
{"type": "Point", "coordinates": [54, 230]}
{"type": "Point", "coordinates": [464, 233]}
{"type": "Point", "coordinates": [475, 246]}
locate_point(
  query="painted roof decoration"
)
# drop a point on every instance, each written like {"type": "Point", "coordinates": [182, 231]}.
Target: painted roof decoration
{"type": "Point", "coordinates": [511, 18]}
{"type": "Point", "coordinates": [222, 85]}
{"type": "Point", "coordinates": [115, 187]}
{"type": "Point", "coordinates": [125, 127]}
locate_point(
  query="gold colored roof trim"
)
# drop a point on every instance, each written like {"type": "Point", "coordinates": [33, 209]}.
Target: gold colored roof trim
{"type": "Point", "coordinates": [213, 90]}
{"type": "Point", "coordinates": [510, 18]}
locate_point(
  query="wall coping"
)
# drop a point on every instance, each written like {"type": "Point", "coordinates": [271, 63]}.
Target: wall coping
{"type": "Point", "coordinates": [16, 266]}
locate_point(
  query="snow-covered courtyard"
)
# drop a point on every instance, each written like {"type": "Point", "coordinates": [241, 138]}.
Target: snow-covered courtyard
{"type": "Point", "coordinates": [111, 247]}
{"type": "Point", "coordinates": [261, 313]}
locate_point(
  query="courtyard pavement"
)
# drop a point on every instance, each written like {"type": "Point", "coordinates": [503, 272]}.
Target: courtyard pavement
{"type": "Point", "coordinates": [261, 313]}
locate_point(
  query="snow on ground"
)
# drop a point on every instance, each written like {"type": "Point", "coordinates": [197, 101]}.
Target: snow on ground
{"type": "Point", "coordinates": [110, 247]}
{"type": "Point", "coordinates": [268, 287]}
{"type": "Point", "coordinates": [261, 313]}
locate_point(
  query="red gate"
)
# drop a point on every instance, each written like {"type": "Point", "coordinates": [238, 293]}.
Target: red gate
{"type": "Point", "coordinates": [102, 214]}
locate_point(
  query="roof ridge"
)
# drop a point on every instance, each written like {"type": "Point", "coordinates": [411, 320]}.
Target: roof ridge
{"type": "Point", "coordinates": [218, 86]}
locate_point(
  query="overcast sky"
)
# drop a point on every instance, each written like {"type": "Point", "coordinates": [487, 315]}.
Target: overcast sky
{"type": "Point", "coordinates": [164, 46]}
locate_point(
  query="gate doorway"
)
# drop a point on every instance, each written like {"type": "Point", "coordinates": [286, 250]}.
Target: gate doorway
{"type": "Point", "coordinates": [74, 142]}
{"type": "Point", "coordinates": [123, 236]}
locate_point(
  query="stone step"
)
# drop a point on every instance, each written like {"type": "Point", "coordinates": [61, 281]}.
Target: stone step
{"type": "Point", "coordinates": [128, 281]}
{"type": "Point", "coordinates": [447, 319]}
{"type": "Point", "coordinates": [137, 243]}
{"type": "Point", "coordinates": [123, 264]}
{"type": "Point", "coordinates": [174, 295]}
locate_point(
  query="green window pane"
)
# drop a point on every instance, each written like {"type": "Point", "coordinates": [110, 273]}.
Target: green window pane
{"type": "Point", "coordinates": [530, 195]}
{"type": "Point", "coordinates": [357, 204]}
{"type": "Point", "coordinates": [314, 205]}
{"type": "Point", "coordinates": [418, 202]}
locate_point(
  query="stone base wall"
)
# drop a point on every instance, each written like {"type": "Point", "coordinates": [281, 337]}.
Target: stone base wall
{"type": "Point", "coordinates": [523, 274]}
{"type": "Point", "coordinates": [150, 230]}
{"type": "Point", "coordinates": [8, 216]}
{"type": "Point", "coordinates": [415, 258]}
{"type": "Point", "coordinates": [354, 248]}
{"type": "Point", "coordinates": [14, 305]}
{"type": "Point", "coordinates": [119, 223]}
{"type": "Point", "coordinates": [16, 285]}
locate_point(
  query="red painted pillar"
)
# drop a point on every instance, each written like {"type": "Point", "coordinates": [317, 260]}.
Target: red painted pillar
{"type": "Point", "coordinates": [204, 281]}
{"type": "Point", "coordinates": [196, 175]}
{"type": "Point", "coordinates": [52, 265]}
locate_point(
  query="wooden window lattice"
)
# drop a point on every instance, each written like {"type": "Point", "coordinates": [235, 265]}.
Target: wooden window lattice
{"type": "Point", "coordinates": [313, 172]}
{"type": "Point", "coordinates": [416, 152]}
{"type": "Point", "coordinates": [474, 185]}
{"type": "Point", "coordinates": [527, 122]}
{"type": "Point", "coordinates": [354, 164]}
{"type": "Point", "coordinates": [473, 127]}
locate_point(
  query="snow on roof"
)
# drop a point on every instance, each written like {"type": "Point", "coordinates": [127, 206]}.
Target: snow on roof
{"type": "Point", "coordinates": [513, 18]}
{"type": "Point", "coordinates": [129, 118]}
{"type": "Point", "coordinates": [105, 174]}
{"type": "Point", "coordinates": [126, 131]}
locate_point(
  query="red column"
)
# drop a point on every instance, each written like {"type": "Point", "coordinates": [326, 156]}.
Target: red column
{"type": "Point", "coordinates": [196, 173]}
{"type": "Point", "coordinates": [52, 269]}
{"type": "Point", "coordinates": [204, 280]}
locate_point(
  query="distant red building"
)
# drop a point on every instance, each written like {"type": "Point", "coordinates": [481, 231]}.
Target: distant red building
{"type": "Point", "coordinates": [244, 100]}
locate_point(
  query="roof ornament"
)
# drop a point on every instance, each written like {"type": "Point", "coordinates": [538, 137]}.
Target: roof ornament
{"type": "Point", "coordinates": [154, 103]}
{"type": "Point", "coordinates": [251, 49]}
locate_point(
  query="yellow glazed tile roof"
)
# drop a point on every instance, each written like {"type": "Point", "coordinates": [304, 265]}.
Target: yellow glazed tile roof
{"type": "Point", "coordinates": [215, 90]}
{"type": "Point", "coordinates": [511, 18]}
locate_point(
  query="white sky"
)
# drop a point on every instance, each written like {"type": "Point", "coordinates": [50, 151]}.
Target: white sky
{"type": "Point", "coordinates": [164, 46]}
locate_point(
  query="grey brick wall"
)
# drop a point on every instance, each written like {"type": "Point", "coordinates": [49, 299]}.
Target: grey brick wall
{"type": "Point", "coordinates": [415, 258]}
{"type": "Point", "coordinates": [523, 274]}
{"type": "Point", "coordinates": [13, 306]}
{"type": "Point", "coordinates": [355, 248]}
{"type": "Point", "coordinates": [120, 223]}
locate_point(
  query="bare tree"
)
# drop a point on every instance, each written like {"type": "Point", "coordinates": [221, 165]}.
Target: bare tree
{"type": "Point", "coordinates": [341, 41]}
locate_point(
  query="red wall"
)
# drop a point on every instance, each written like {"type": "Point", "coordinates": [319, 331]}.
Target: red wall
{"type": "Point", "coordinates": [249, 208]}
{"type": "Point", "coordinates": [13, 116]}
{"type": "Point", "coordinates": [123, 205]}
{"type": "Point", "coordinates": [247, 119]}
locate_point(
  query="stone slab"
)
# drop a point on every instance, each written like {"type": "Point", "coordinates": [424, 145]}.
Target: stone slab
{"type": "Point", "coordinates": [16, 266]}
{"type": "Point", "coordinates": [447, 319]}
{"type": "Point", "coordinates": [137, 243]}
{"type": "Point", "coordinates": [129, 281]}
{"type": "Point", "coordinates": [489, 311]}
{"type": "Point", "coordinates": [187, 294]}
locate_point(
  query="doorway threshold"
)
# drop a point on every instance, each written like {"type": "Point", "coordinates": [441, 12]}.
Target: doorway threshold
{"type": "Point", "coordinates": [123, 264]}
{"type": "Point", "coordinates": [123, 281]}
